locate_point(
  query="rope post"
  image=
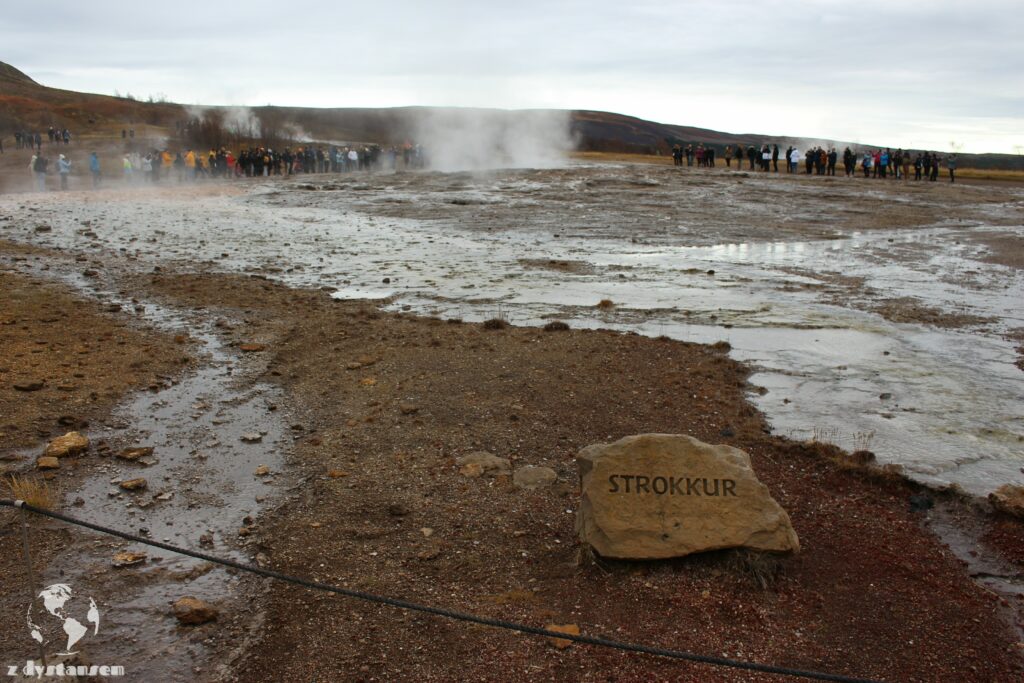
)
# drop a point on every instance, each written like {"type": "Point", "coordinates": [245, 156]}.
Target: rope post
{"type": "Point", "coordinates": [28, 569]}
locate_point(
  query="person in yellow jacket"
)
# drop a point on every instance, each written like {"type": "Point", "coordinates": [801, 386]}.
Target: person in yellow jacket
{"type": "Point", "coordinates": [166, 160]}
{"type": "Point", "coordinates": [190, 165]}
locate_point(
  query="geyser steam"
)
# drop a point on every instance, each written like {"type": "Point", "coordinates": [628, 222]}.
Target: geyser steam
{"type": "Point", "coordinates": [475, 139]}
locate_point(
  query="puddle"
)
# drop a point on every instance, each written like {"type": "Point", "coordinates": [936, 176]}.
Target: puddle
{"type": "Point", "coordinates": [946, 404]}
{"type": "Point", "coordinates": [201, 488]}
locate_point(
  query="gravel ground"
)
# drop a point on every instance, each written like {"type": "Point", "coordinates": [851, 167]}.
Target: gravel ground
{"type": "Point", "coordinates": [381, 406]}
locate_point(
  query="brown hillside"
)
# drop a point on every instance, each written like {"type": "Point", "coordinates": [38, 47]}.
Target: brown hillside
{"type": "Point", "coordinates": [27, 105]}
{"type": "Point", "coordinates": [8, 74]}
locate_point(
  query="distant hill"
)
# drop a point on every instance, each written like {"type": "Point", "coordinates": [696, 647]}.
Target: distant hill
{"type": "Point", "coordinates": [28, 106]}
{"type": "Point", "coordinates": [8, 74]}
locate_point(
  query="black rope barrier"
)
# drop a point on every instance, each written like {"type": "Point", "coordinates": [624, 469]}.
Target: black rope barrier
{"type": "Point", "coordinates": [441, 612]}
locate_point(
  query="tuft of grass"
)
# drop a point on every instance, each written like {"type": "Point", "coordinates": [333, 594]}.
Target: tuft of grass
{"type": "Point", "coordinates": [556, 326]}
{"type": "Point", "coordinates": [862, 441]}
{"type": "Point", "coordinates": [33, 490]}
{"type": "Point", "coordinates": [606, 304]}
{"type": "Point", "coordinates": [762, 568]}
{"type": "Point", "coordinates": [495, 324]}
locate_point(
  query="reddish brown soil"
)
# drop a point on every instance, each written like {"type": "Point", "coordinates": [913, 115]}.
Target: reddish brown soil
{"type": "Point", "coordinates": [83, 357]}
{"type": "Point", "coordinates": [871, 594]}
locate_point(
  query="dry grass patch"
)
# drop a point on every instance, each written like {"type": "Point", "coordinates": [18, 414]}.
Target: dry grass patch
{"type": "Point", "coordinates": [33, 490]}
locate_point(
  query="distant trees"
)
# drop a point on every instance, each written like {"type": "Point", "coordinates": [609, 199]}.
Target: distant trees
{"type": "Point", "coordinates": [205, 130]}
{"type": "Point", "coordinates": [271, 124]}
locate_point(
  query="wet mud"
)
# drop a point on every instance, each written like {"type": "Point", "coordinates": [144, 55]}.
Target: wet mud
{"type": "Point", "coordinates": [878, 315]}
{"type": "Point", "coordinates": [210, 431]}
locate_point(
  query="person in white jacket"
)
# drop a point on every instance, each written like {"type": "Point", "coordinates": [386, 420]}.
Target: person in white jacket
{"type": "Point", "coordinates": [794, 160]}
{"type": "Point", "coordinates": [64, 169]}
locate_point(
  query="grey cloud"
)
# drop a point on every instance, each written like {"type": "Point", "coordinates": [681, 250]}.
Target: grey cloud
{"type": "Point", "coordinates": [930, 58]}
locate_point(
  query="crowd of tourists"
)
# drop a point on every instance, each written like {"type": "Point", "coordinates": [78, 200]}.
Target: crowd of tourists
{"type": "Point", "coordinates": [818, 160]}
{"type": "Point", "coordinates": [191, 165]}
{"type": "Point", "coordinates": [28, 140]}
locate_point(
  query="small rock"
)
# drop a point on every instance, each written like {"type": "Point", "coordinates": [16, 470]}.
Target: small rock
{"type": "Point", "coordinates": [532, 478]}
{"type": "Point", "coordinates": [427, 532]}
{"type": "Point", "coordinates": [885, 396]}
{"type": "Point", "coordinates": [251, 347]}
{"type": "Point", "coordinates": [397, 510]}
{"type": "Point", "coordinates": [71, 443]}
{"type": "Point", "coordinates": [47, 462]}
{"type": "Point", "coordinates": [409, 408]}
{"type": "Point", "coordinates": [354, 365]}
{"type": "Point", "coordinates": [29, 386]}
{"type": "Point", "coordinates": [135, 453]}
{"type": "Point", "coordinates": [920, 502]}
{"type": "Point", "coordinates": [206, 540]}
{"type": "Point", "coordinates": [262, 471]}
{"type": "Point", "coordinates": [166, 495]}
{"type": "Point", "coordinates": [1008, 498]}
{"type": "Point", "coordinates": [134, 484]}
{"type": "Point", "coordinates": [428, 554]}
{"type": "Point", "coordinates": [471, 470]}
{"type": "Point", "coordinates": [483, 463]}
{"type": "Point", "coordinates": [127, 559]}
{"type": "Point", "coordinates": [193, 611]}
{"type": "Point", "coordinates": [252, 437]}
{"type": "Point", "coordinates": [337, 474]}
{"type": "Point", "coordinates": [562, 643]}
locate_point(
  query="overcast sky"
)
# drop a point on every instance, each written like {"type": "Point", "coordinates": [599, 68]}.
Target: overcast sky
{"type": "Point", "coordinates": [928, 74]}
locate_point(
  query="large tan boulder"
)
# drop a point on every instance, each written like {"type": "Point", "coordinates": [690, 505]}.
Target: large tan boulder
{"type": "Point", "coordinates": [654, 496]}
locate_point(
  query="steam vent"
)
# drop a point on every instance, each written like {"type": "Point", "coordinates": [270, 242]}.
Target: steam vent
{"type": "Point", "coordinates": [654, 496]}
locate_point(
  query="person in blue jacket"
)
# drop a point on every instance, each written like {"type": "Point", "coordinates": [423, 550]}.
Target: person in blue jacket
{"type": "Point", "coordinates": [94, 168]}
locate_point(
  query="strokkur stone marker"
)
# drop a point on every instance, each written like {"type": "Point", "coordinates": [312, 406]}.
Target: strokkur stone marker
{"type": "Point", "coordinates": [654, 496]}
